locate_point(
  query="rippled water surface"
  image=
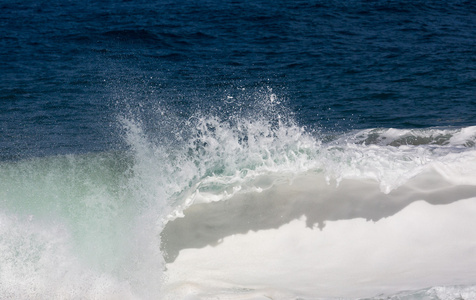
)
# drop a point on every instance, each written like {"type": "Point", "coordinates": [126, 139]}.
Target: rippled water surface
{"type": "Point", "coordinates": [68, 68]}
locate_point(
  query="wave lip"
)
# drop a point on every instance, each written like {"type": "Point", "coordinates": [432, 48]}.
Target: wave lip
{"type": "Point", "coordinates": [254, 156]}
{"type": "Point", "coordinates": [458, 137]}
{"type": "Point", "coordinates": [364, 213]}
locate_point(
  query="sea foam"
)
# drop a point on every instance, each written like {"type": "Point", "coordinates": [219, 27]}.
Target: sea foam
{"type": "Point", "coordinates": [249, 205]}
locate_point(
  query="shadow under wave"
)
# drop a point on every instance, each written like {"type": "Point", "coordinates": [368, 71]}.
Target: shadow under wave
{"type": "Point", "coordinates": [309, 195]}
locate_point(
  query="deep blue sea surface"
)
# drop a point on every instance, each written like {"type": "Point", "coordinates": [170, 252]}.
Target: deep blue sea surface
{"type": "Point", "coordinates": [223, 149]}
{"type": "Point", "coordinates": [68, 68]}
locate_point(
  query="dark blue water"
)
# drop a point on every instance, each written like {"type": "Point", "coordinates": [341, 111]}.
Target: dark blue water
{"type": "Point", "coordinates": [69, 68]}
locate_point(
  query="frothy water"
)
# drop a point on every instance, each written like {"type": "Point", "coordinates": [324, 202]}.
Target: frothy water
{"type": "Point", "coordinates": [236, 150]}
{"type": "Point", "coordinates": [73, 227]}
{"type": "Point", "coordinates": [236, 205]}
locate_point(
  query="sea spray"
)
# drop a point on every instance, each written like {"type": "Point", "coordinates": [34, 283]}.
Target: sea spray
{"type": "Point", "coordinates": [290, 216]}
{"type": "Point", "coordinates": [64, 222]}
{"type": "Point", "coordinates": [93, 225]}
{"type": "Point", "coordinates": [95, 219]}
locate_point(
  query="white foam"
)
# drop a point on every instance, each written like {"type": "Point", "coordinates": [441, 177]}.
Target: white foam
{"type": "Point", "coordinates": [422, 245]}
{"type": "Point", "coordinates": [118, 214]}
{"type": "Point", "coordinates": [464, 136]}
{"type": "Point", "coordinates": [405, 246]}
{"type": "Point", "coordinates": [38, 262]}
{"type": "Point", "coordinates": [448, 137]}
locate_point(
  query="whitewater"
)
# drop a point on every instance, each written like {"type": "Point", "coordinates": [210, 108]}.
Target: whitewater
{"type": "Point", "coordinates": [251, 206]}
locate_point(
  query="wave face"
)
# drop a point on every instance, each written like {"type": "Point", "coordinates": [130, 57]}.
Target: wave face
{"type": "Point", "coordinates": [237, 149]}
{"type": "Point", "coordinates": [248, 206]}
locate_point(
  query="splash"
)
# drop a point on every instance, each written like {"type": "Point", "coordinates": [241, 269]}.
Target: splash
{"type": "Point", "coordinates": [93, 225]}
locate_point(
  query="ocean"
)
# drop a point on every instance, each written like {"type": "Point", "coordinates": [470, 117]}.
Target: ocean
{"type": "Point", "coordinates": [238, 149]}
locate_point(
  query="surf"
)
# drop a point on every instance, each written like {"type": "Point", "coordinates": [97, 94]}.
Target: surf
{"type": "Point", "coordinates": [369, 212]}
{"type": "Point", "coordinates": [244, 204]}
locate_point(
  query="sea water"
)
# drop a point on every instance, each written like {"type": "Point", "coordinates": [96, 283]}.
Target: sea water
{"type": "Point", "coordinates": [237, 150]}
